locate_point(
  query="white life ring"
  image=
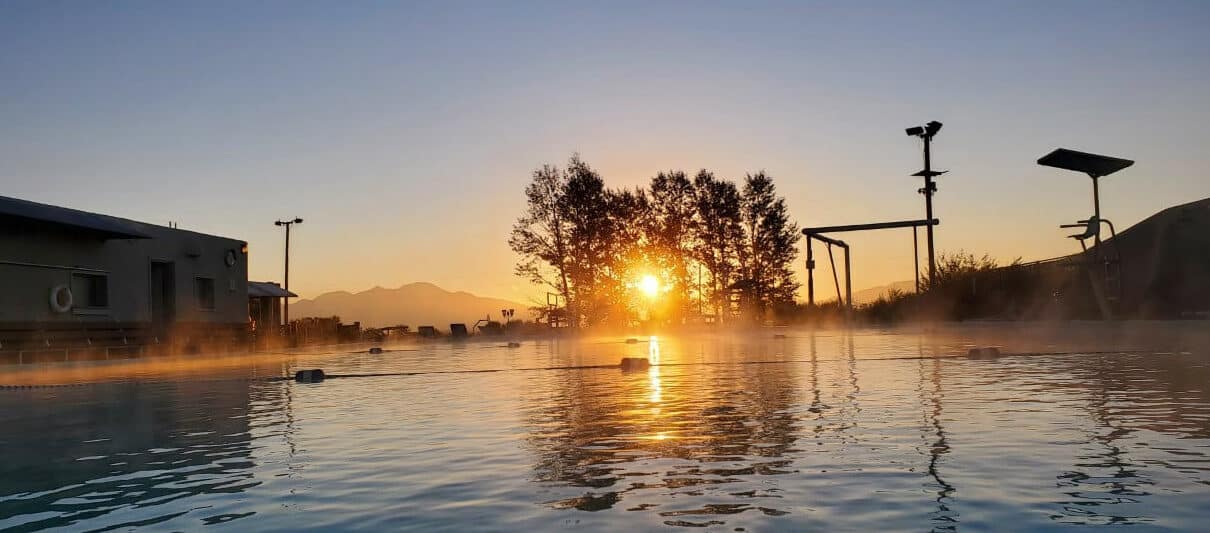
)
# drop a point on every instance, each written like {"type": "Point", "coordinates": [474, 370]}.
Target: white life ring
{"type": "Point", "coordinates": [61, 299]}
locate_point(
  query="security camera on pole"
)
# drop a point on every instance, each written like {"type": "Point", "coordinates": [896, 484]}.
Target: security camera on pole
{"type": "Point", "coordinates": [927, 132]}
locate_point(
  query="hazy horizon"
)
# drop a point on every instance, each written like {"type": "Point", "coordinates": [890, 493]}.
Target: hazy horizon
{"type": "Point", "coordinates": [404, 134]}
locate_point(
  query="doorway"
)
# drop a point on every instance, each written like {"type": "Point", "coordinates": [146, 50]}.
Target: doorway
{"type": "Point", "coordinates": [163, 293]}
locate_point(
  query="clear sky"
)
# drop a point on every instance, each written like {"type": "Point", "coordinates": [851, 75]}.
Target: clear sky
{"type": "Point", "coordinates": [404, 132]}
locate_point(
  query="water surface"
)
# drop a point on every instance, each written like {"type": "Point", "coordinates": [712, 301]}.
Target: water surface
{"type": "Point", "coordinates": [870, 430]}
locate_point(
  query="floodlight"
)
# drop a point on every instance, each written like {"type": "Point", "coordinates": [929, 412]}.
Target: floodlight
{"type": "Point", "coordinates": [915, 132]}
{"type": "Point", "coordinates": [277, 223]}
{"type": "Point", "coordinates": [298, 221]}
{"type": "Point", "coordinates": [932, 127]}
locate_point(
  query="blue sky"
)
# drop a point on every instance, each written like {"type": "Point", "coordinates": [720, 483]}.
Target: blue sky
{"type": "Point", "coordinates": [404, 132]}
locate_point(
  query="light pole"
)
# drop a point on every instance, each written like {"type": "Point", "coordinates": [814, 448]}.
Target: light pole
{"type": "Point", "coordinates": [927, 132]}
{"type": "Point", "coordinates": [287, 224]}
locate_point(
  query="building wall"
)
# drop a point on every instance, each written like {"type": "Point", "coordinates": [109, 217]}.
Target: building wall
{"type": "Point", "coordinates": [36, 258]}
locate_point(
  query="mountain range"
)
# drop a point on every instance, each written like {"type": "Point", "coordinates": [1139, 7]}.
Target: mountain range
{"type": "Point", "coordinates": [414, 304]}
{"type": "Point", "coordinates": [825, 292]}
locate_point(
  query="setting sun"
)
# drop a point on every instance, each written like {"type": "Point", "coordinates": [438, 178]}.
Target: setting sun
{"type": "Point", "coordinates": [649, 285]}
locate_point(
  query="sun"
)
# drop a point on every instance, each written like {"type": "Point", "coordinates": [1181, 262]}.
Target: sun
{"type": "Point", "coordinates": [649, 285]}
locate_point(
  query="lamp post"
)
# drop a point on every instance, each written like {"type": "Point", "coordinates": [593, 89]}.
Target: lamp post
{"type": "Point", "coordinates": [287, 224]}
{"type": "Point", "coordinates": [926, 133]}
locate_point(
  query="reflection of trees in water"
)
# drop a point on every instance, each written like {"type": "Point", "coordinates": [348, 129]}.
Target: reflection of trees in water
{"type": "Point", "coordinates": [720, 424]}
{"type": "Point", "coordinates": [84, 452]}
{"type": "Point", "coordinates": [700, 428]}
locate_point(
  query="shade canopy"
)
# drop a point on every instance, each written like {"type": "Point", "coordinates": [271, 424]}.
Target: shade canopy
{"type": "Point", "coordinates": [268, 289]}
{"type": "Point", "coordinates": [1092, 164]}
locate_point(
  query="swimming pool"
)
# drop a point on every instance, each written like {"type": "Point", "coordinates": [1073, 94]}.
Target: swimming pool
{"type": "Point", "coordinates": [866, 430]}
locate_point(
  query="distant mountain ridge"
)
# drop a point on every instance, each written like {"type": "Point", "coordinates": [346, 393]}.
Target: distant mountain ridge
{"type": "Point", "coordinates": [413, 304]}
{"type": "Point", "coordinates": [864, 296]}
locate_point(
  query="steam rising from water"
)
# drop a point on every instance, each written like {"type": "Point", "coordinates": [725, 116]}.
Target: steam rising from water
{"type": "Point", "coordinates": [731, 429]}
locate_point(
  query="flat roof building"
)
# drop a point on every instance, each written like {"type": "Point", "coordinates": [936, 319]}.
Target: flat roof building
{"type": "Point", "coordinates": [74, 281]}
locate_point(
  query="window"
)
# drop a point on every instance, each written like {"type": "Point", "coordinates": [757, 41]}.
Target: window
{"type": "Point", "coordinates": [203, 290]}
{"type": "Point", "coordinates": [90, 291]}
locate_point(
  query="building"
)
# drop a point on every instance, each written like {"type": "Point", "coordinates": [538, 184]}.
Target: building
{"type": "Point", "coordinates": [264, 308]}
{"type": "Point", "coordinates": [78, 284]}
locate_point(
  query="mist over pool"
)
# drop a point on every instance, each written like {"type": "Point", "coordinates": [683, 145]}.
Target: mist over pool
{"type": "Point", "coordinates": [1093, 424]}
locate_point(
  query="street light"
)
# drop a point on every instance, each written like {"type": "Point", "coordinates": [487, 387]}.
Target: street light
{"type": "Point", "coordinates": [287, 224]}
{"type": "Point", "coordinates": [927, 132]}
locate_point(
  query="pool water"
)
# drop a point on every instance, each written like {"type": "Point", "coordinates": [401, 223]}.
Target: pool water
{"type": "Point", "coordinates": [867, 430]}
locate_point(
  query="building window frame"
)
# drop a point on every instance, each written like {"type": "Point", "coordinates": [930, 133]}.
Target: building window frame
{"type": "Point", "coordinates": [90, 293]}
{"type": "Point", "coordinates": [204, 293]}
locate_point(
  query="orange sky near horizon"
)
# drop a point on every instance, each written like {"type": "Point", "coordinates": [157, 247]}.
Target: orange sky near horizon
{"type": "Point", "coordinates": [404, 134]}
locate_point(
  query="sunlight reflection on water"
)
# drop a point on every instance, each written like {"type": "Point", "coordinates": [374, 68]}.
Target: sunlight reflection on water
{"type": "Point", "coordinates": [873, 431]}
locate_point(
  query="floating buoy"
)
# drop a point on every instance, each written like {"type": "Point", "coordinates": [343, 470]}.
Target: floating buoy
{"type": "Point", "coordinates": [514, 345]}
{"type": "Point", "coordinates": [635, 363]}
{"type": "Point", "coordinates": [309, 376]}
{"type": "Point", "coordinates": [990, 352]}
{"type": "Point", "coordinates": [375, 350]}
{"type": "Point", "coordinates": [632, 340]}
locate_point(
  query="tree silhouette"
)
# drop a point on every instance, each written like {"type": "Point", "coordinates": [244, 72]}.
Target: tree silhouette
{"type": "Point", "coordinates": [719, 234]}
{"type": "Point", "coordinates": [591, 244]}
{"type": "Point", "coordinates": [670, 230]}
{"type": "Point", "coordinates": [541, 235]}
{"type": "Point", "coordinates": [585, 207]}
{"type": "Point", "coordinates": [767, 257]}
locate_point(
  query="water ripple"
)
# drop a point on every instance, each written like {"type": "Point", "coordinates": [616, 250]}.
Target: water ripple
{"type": "Point", "coordinates": [866, 431]}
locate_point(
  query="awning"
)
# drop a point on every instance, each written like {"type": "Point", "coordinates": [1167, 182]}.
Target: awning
{"type": "Point", "coordinates": [268, 289]}
{"type": "Point", "coordinates": [101, 226]}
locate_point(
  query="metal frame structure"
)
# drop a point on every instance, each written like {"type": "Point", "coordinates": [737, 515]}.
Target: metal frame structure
{"type": "Point", "coordinates": [1096, 166]}
{"type": "Point", "coordinates": [552, 311]}
{"type": "Point", "coordinates": [817, 234]}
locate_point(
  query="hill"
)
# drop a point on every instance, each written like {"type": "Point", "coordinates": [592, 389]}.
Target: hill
{"type": "Point", "coordinates": [1165, 268]}
{"type": "Point", "coordinates": [414, 304]}
{"type": "Point", "coordinates": [864, 296]}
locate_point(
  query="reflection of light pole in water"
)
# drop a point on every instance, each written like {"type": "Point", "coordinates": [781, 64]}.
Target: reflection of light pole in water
{"type": "Point", "coordinates": [1114, 457]}
{"type": "Point", "coordinates": [940, 446]}
{"type": "Point", "coordinates": [287, 224]}
{"type": "Point", "coordinates": [816, 401]}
